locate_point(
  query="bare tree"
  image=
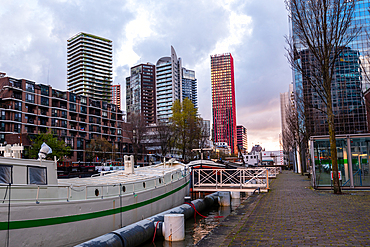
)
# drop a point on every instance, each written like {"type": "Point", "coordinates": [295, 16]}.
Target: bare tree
{"type": "Point", "coordinates": [136, 130]}
{"type": "Point", "coordinates": [99, 148]}
{"type": "Point", "coordinates": [321, 30]}
{"type": "Point", "coordinates": [166, 137]}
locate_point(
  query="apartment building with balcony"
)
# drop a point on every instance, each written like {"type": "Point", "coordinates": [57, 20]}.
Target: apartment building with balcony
{"type": "Point", "coordinates": [28, 108]}
{"type": "Point", "coordinates": [168, 85]}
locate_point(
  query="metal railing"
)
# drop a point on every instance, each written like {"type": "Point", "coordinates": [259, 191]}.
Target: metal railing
{"type": "Point", "coordinates": [41, 193]}
{"type": "Point", "coordinates": [221, 178]}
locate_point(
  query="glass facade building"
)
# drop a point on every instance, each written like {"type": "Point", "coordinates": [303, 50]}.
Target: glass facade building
{"type": "Point", "coordinates": [347, 87]}
{"type": "Point", "coordinates": [140, 92]}
{"type": "Point", "coordinates": [353, 160]}
{"type": "Point", "coordinates": [89, 66]}
{"type": "Point", "coordinates": [223, 100]}
{"type": "Point", "coordinates": [189, 86]}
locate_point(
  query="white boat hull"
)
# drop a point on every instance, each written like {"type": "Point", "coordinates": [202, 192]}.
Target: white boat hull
{"type": "Point", "coordinates": [70, 223]}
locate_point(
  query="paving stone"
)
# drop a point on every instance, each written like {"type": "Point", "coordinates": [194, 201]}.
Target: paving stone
{"type": "Point", "coordinates": [292, 214]}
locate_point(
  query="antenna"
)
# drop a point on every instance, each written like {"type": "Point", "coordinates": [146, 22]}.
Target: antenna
{"type": "Point", "coordinates": [48, 75]}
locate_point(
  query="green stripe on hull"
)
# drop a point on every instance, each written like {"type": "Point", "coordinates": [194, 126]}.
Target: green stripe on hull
{"type": "Point", "coordinates": [72, 218]}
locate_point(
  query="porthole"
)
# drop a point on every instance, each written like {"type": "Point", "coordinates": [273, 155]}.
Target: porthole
{"type": "Point", "coordinates": [160, 180]}
{"type": "Point", "coordinates": [96, 192]}
{"type": "Point", "coordinates": [124, 188]}
{"type": "Point", "coordinates": [144, 185]}
{"type": "Point", "coordinates": [172, 176]}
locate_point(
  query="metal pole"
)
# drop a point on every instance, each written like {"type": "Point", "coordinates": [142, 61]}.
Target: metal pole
{"type": "Point", "coordinates": [349, 158]}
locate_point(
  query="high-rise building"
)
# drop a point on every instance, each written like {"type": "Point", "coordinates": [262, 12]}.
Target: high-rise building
{"type": "Point", "coordinates": [189, 86]}
{"type": "Point", "coordinates": [140, 92]}
{"type": "Point", "coordinates": [89, 66]}
{"type": "Point", "coordinates": [223, 100]}
{"type": "Point", "coordinates": [242, 138]}
{"type": "Point", "coordinates": [286, 102]}
{"type": "Point", "coordinates": [116, 95]}
{"type": "Point", "coordinates": [347, 87]}
{"type": "Point", "coordinates": [168, 85]}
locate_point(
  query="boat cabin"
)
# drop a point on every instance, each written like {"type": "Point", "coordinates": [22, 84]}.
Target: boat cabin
{"type": "Point", "coordinates": [25, 171]}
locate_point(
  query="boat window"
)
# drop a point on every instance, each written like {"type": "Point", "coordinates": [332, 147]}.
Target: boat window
{"type": "Point", "coordinates": [37, 175]}
{"type": "Point", "coordinates": [124, 188]}
{"type": "Point", "coordinates": [144, 185]}
{"type": "Point", "coordinates": [6, 174]}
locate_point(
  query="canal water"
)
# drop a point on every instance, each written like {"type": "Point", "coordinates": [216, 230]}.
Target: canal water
{"type": "Point", "coordinates": [195, 230]}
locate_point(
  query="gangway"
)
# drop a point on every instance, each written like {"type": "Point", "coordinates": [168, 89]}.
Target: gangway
{"type": "Point", "coordinates": [242, 180]}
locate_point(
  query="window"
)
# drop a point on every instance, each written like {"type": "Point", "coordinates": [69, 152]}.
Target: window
{"type": "Point", "coordinates": [18, 117]}
{"type": "Point", "coordinates": [44, 90]}
{"type": "Point", "coordinates": [72, 107]}
{"type": "Point", "coordinates": [30, 98]}
{"type": "Point", "coordinates": [72, 97]}
{"type": "Point", "coordinates": [83, 100]}
{"type": "Point", "coordinates": [6, 174]}
{"type": "Point", "coordinates": [37, 175]}
{"type": "Point", "coordinates": [83, 109]}
{"type": "Point", "coordinates": [18, 106]}
{"type": "Point", "coordinates": [44, 101]}
{"type": "Point", "coordinates": [30, 87]}
{"type": "Point", "coordinates": [17, 128]}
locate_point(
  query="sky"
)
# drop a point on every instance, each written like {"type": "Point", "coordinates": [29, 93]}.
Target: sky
{"type": "Point", "coordinates": [33, 46]}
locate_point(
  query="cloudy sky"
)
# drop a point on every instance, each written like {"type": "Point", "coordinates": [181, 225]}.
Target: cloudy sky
{"type": "Point", "coordinates": [33, 45]}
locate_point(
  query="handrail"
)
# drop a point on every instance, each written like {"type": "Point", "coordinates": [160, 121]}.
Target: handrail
{"type": "Point", "coordinates": [85, 195]}
{"type": "Point", "coordinates": [358, 171]}
{"type": "Point", "coordinates": [231, 177]}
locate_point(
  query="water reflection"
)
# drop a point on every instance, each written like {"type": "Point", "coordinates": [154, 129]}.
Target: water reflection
{"type": "Point", "coordinates": [195, 230]}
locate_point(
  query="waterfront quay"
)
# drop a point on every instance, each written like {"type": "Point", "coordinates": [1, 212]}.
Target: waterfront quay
{"type": "Point", "coordinates": [293, 214]}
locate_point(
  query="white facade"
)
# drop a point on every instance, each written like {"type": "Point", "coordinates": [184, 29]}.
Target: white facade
{"type": "Point", "coordinates": [168, 85]}
{"type": "Point", "coordinates": [89, 66]}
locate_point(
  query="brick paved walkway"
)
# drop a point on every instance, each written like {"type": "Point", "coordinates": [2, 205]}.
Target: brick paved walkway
{"type": "Point", "coordinates": [292, 214]}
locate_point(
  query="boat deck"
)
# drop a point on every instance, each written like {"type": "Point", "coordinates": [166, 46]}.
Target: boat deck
{"type": "Point", "coordinates": [120, 177]}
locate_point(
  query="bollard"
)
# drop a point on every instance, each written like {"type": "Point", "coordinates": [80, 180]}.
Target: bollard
{"type": "Point", "coordinates": [174, 227]}
{"type": "Point", "coordinates": [224, 198]}
{"type": "Point", "coordinates": [235, 194]}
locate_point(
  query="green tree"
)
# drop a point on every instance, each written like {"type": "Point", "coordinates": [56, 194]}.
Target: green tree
{"type": "Point", "coordinates": [186, 126]}
{"type": "Point", "coordinates": [59, 147]}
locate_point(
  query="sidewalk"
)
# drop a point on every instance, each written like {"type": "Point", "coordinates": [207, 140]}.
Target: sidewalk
{"type": "Point", "coordinates": [292, 214]}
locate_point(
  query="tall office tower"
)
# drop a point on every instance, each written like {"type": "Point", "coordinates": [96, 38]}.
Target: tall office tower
{"type": "Point", "coordinates": [140, 92]}
{"type": "Point", "coordinates": [223, 100]}
{"type": "Point", "coordinates": [189, 86]}
{"type": "Point", "coordinates": [168, 85]}
{"type": "Point", "coordinates": [286, 102]}
{"type": "Point", "coordinates": [89, 66]}
{"type": "Point", "coordinates": [242, 138]}
{"type": "Point", "coordinates": [347, 87]}
{"type": "Point", "coordinates": [116, 95]}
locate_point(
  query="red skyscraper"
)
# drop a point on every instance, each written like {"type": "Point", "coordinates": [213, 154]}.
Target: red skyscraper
{"type": "Point", "coordinates": [223, 100]}
{"type": "Point", "coordinates": [116, 95]}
